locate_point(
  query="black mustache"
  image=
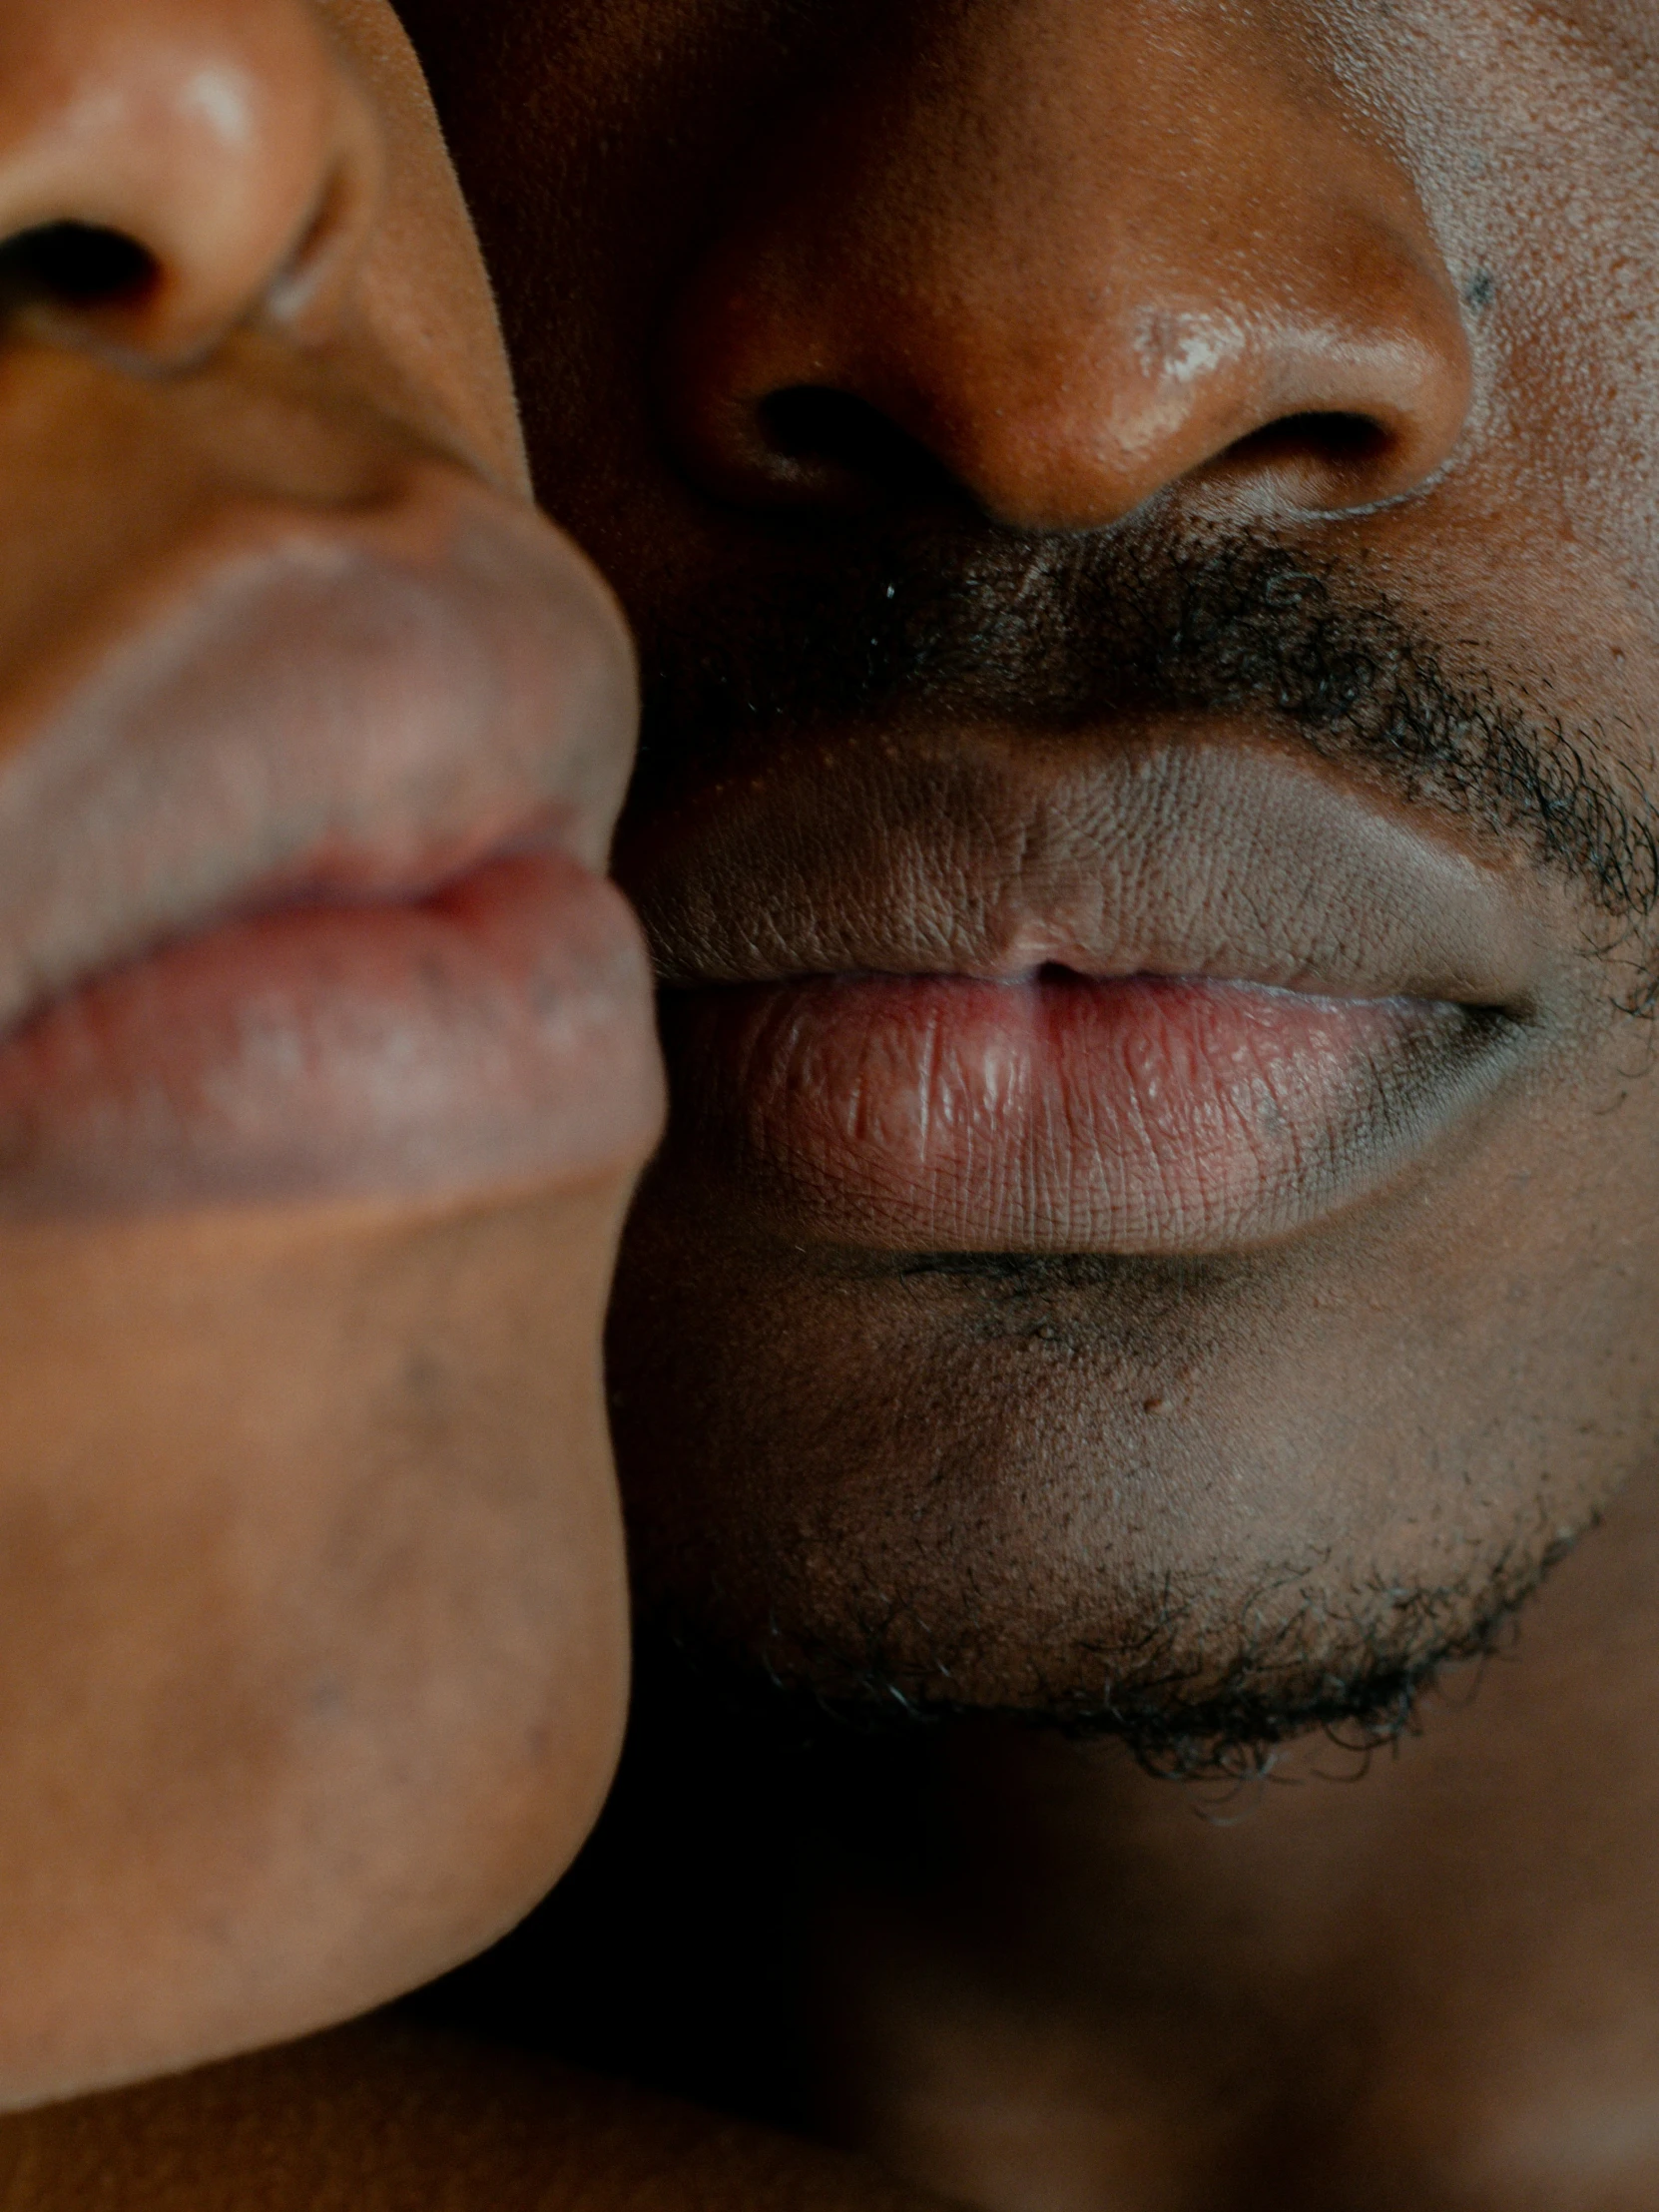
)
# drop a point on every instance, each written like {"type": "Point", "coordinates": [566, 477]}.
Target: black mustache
{"type": "Point", "coordinates": [1054, 634]}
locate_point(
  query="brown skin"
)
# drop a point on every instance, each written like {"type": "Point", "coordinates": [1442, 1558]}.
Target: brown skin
{"type": "Point", "coordinates": [1418, 1977]}
{"type": "Point", "coordinates": [313, 1561]}
{"type": "Point", "coordinates": [1349, 1445]}
{"type": "Point", "coordinates": [1376, 290]}
{"type": "Point", "coordinates": [386, 2118]}
{"type": "Point", "coordinates": [316, 1656]}
{"type": "Point", "coordinates": [870, 210]}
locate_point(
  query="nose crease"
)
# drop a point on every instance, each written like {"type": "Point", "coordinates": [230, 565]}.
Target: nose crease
{"type": "Point", "coordinates": [208, 140]}
{"type": "Point", "coordinates": [1077, 292]}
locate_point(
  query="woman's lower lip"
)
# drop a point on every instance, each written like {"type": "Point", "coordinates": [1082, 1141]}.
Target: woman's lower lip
{"type": "Point", "coordinates": [1058, 1112]}
{"type": "Point", "coordinates": [495, 1034]}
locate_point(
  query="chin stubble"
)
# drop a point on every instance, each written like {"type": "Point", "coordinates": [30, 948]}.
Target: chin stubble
{"type": "Point", "coordinates": [1190, 1695]}
{"type": "Point", "coordinates": [943, 618]}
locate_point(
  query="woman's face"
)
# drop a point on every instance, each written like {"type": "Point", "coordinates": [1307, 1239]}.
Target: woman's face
{"type": "Point", "coordinates": [328, 1059]}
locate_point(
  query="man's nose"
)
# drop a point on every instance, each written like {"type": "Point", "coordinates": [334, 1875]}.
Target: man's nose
{"type": "Point", "coordinates": [1071, 254]}
{"type": "Point", "coordinates": [170, 167]}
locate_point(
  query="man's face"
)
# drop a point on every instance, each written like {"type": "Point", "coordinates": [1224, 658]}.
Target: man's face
{"type": "Point", "coordinates": [1140, 521]}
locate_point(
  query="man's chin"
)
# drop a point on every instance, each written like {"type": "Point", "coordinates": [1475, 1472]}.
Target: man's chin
{"type": "Point", "coordinates": [1189, 1698]}
{"type": "Point", "coordinates": [1203, 1505]}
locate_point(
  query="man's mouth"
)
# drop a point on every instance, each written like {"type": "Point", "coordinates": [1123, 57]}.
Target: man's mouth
{"type": "Point", "coordinates": [299, 893]}
{"type": "Point", "coordinates": [1068, 1113]}
{"type": "Point", "coordinates": [1170, 996]}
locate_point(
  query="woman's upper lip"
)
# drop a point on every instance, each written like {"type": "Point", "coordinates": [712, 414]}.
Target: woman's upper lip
{"type": "Point", "coordinates": [306, 704]}
{"type": "Point", "coordinates": [1200, 851]}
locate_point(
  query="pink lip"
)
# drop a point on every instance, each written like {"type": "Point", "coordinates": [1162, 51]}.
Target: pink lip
{"type": "Point", "coordinates": [469, 1039]}
{"type": "Point", "coordinates": [1057, 1112]}
{"type": "Point", "coordinates": [298, 872]}
{"type": "Point", "coordinates": [300, 705]}
{"type": "Point", "coordinates": [1173, 990]}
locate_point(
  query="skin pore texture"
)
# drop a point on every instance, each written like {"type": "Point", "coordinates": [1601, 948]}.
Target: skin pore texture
{"type": "Point", "coordinates": [1125, 510]}
{"type": "Point", "coordinates": [1339, 1446]}
{"type": "Point", "coordinates": [1132, 1371]}
{"type": "Point", "coordinates": [326, 1068]}
{"type": "Point", "coordinates": [310, 740]}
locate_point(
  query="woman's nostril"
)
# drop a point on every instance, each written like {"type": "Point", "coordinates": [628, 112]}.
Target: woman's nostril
{"type": "Point", "coordinates": [75, 265]}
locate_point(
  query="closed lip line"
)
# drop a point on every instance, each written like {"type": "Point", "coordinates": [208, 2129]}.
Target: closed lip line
{"type": "Point", "coordinates": [1197, 854]}
{"type": "Point", "coordinates": [305, 706]}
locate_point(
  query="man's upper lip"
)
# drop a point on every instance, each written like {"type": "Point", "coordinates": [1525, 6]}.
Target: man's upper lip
{"type": "Point", "coordinates": [305, 705]}
{"type": "Point", "coordinates": [1181, 851]}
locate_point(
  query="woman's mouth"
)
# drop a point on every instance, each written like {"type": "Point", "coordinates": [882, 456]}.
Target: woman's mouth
{"type": "Point", "coordinates": [485, 1037]}
{"type": "Point", "coordinates": [299, 890]}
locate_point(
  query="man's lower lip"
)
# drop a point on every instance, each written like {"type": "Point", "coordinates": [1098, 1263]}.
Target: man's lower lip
{"type": "Point", "coordinates": [495, 1034]}
{"type": "Point", "coordinates": [1058, 1112]}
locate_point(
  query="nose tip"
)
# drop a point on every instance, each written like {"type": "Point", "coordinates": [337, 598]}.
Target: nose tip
{"type": "Point", "coordinates": [170, 167]}
{"type": "Point", "coordinates": [1072, 428]}
{"type": "Point", "coordinates": [1064, 261]}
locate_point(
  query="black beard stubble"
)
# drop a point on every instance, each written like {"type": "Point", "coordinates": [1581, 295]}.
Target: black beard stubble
{"type": "Point", "coordinates": [1057, 634]}
{"type": "Point", "coordinates": [1051, 634]}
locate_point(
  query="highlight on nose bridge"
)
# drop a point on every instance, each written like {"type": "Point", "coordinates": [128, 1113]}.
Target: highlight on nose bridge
{"type": "Point", "coordinates": [220, 94]}
{"type": "Point", "coordinates": [1175, 345]}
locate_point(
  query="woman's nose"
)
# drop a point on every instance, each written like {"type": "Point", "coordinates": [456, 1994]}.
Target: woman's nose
{"type": "Point", "coordinates": [1068, 256]}
{"type": "Point", "coordinates": [169, 168]}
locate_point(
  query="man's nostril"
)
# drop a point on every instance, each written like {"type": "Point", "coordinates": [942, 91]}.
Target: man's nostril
{"type": "Point", "coordinates": [809, 422]}
{"type": "Point", "coordinates": [835, 439]}
{"type": "Point", "coordinates": [75, 265]}
{"type": "Point", "coordinates": [1343, 448]}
